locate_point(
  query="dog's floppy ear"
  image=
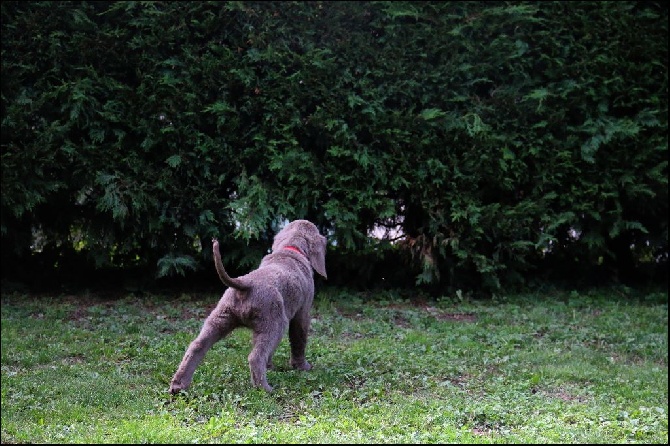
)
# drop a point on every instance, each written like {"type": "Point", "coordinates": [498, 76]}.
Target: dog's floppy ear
{"type": "Point", "coordinates": [317, 254]}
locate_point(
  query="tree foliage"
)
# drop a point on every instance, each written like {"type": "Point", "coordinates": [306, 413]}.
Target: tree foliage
{"type": "Point", "coordinates": [503, 139]}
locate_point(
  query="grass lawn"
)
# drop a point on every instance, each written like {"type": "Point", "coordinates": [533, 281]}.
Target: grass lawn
{"type": "Point", "coordinates": [388, 368]}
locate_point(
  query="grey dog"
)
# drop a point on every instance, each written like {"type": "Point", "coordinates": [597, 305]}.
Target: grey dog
{"type": "Point", "coordinates": [276, 296]}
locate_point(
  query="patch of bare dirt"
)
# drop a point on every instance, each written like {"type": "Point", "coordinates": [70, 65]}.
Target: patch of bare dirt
{"type": "Point", "coordinates": [435, 312]}
{"type": "Point", "coordinates": [458, 317]}
{"type": "Point", "coordinates": [401, 321]}
{"type": "Point", "coordinates": [562, 394]}
{"type": "Point", "coordinates": [73, 359]}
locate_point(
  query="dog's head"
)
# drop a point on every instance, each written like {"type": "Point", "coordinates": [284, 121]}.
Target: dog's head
{"type": "Point", "coordinates": [304, 235]}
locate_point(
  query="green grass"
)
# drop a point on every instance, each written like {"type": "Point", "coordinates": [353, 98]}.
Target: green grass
{"type": "Point", "coordinates": [567, 367]}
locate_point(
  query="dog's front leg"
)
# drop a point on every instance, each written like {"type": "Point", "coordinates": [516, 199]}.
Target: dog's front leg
{"type": "Point", "coordinates": [298, 331]}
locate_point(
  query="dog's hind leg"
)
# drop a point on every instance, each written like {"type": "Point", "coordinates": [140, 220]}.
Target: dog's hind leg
{"type": "Point", "coordinates": [267, 332]}
{"type": "Point", "coordinates": [214, 329]}
{"type": "Point", "coordinates": [265, 343]}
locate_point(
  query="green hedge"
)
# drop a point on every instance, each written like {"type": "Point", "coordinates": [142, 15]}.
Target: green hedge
{"type": "Point", "coordinates": [506, 140]}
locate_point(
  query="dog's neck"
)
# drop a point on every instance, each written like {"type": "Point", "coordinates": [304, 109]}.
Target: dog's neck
{"type": "Point", "coordinates": [293, 248]}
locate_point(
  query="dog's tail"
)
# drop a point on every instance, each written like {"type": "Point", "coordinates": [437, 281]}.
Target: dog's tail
{"type": "Point", "coordinates": [236, 283]}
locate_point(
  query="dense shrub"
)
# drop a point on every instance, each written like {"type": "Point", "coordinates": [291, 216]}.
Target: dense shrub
{"type": "Point", "coordinates": [503, 139]}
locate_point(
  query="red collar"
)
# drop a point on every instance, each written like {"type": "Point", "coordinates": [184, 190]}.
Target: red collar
{"type": "Point", "coordinates": [293, 248]}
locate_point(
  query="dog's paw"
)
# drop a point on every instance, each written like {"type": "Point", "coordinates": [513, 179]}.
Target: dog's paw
{"type": "Point", "coordinates": [176, 387]}
{"type": "Point", "coordinates": [303, 365]}
{"type": "Point", "coordinates": [262, 385]}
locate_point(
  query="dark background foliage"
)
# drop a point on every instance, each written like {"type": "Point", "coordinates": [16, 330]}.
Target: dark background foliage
{"type": "Point", "coordinates": [509, 143]}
